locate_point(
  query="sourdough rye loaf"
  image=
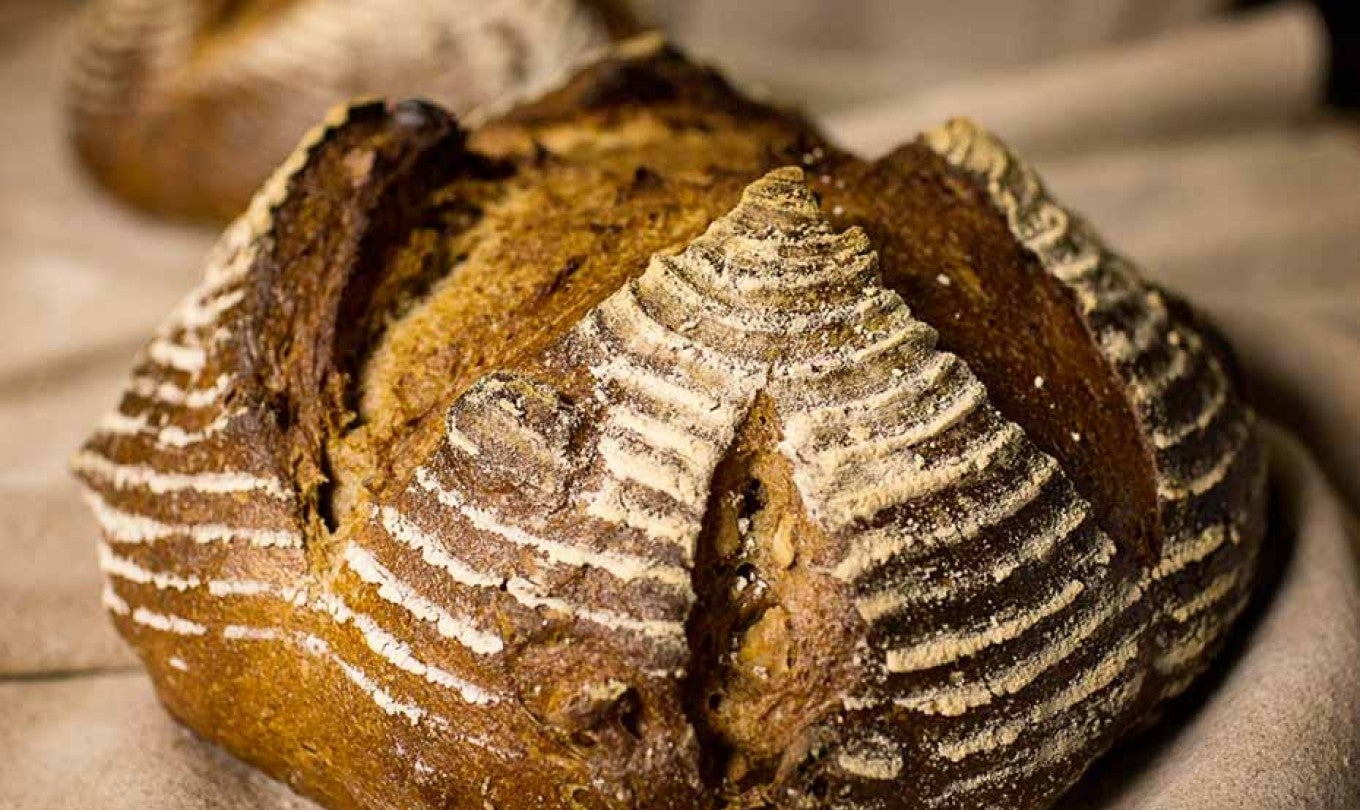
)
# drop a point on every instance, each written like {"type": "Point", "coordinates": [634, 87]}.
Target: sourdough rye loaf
{"type": "Point", "coordinates": [183, 107]}
{"type": "Point", "coordinates": [640, 449]}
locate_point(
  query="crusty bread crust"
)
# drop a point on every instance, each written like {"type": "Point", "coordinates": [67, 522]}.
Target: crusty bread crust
{"type": "Point", "coordinates": [603, 457]}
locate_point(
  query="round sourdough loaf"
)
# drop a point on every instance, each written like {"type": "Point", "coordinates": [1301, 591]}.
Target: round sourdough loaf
{"type": "Point", "coordinates": [640, 449]}
{"type": "Point", "coordinates": [183, 107]}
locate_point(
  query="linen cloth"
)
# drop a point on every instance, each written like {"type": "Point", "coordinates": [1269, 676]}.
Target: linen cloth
{"type": "Point", "coordinates": [1199, 151]}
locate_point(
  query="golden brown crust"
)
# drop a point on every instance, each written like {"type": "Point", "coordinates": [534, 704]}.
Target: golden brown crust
{"type": "Point", "coordinates": [589, 460]}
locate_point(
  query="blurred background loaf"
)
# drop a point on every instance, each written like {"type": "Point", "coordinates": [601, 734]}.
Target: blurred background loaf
{"type": "Point", "coordinates": [182, 107]}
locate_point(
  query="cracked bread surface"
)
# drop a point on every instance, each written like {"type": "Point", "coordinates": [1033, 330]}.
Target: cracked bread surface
{"type": "Point", "coordinates": [598, 457]}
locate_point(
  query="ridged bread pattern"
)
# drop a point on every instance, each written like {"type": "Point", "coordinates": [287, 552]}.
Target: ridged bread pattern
{"type": "Point", "coordinates": [1203, 437]}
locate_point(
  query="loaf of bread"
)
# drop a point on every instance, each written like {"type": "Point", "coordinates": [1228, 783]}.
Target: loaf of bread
{"type": "Point", "coordinates": [640, 449]}
{"type": "Point", "coordinates": [183, 107]}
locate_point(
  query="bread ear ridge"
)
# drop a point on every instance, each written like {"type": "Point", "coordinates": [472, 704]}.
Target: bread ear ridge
{"type": "Point", "coordinates": [1180, 384]}
{"type": "Point", "coordinates": [217, 388]}
{"type": "Point", "coordinates": [193, 409]}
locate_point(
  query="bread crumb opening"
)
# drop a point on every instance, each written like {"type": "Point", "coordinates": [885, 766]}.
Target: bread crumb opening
{"type": "Point", "coordinates": [771, 636]}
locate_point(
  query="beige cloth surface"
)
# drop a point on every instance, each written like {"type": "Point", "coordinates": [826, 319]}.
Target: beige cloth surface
{"type": "Point", "coordinates": [1256, 217]}
{"type": "Point", "coordinates": [841, 55]}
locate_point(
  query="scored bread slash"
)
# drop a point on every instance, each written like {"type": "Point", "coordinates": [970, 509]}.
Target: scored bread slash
{"type": "Point", "coordinates": [581, 460]}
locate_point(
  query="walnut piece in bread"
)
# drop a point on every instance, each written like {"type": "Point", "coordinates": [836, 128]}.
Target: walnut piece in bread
{"type": "Point", "coordinates": [640, 449]}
